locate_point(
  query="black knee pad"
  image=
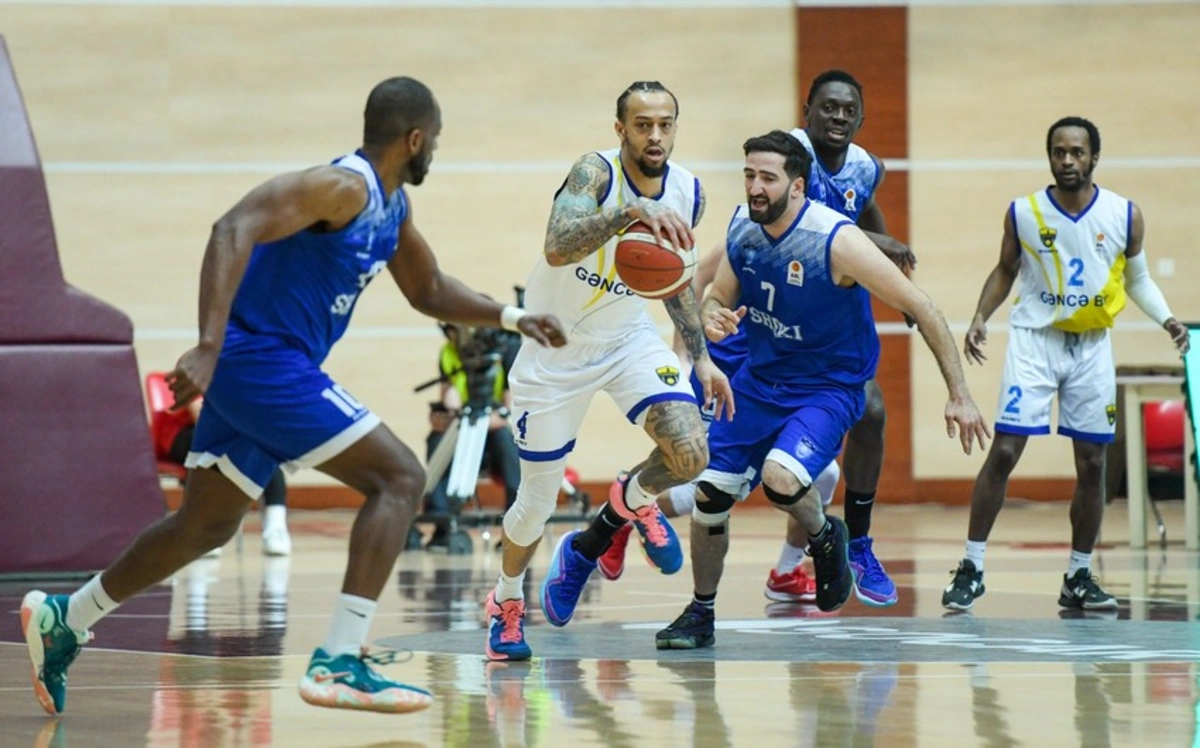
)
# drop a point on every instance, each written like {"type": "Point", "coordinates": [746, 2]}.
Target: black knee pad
{"type": "Point", "coordinates": [718, 502]}
{"type": "Point", "coordinates": [783, 499]}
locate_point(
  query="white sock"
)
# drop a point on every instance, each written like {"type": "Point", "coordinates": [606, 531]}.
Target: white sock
{"type": "Point", "coordinates": [89, 604]}
{"type": "Point", "coordinates": [789, 558]}
{"type": "Point", "coordinates": [274, 516]}
{"type": "Point", "coordinates": [635, 496]}
{"type": "Point", "coordinates": [348, 630]}
{"type": "Point", "coordinates": [975, 551]}
{"type": "Point", "coordinates": [1078, 561]}
{"type": "Point", "coordinates": [683, 499]}
{"type": "Point", "coordinates": [510, 588]}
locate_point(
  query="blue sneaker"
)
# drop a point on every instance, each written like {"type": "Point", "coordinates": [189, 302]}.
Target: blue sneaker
{"type": "Point", "coordinates": [569, 572]}
{"type": "Point", "coordinates": [506, 630]}
{"type": "Point", "coordinates": [348, 682]}
{"type": "Point", "coordinates": [53, 646]}
{"type": "Point", "coordinates": [872, 585]}
{"type": "Point", "coordinates": [659, 541]}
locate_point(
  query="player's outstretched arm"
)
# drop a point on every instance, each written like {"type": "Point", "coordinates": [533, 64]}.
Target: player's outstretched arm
{"type": "Point", "coordinates": [706, 272]}
{"type": "Point", "coordinates": [433, 293]}
{"type": "Point", "coordinates": [685, 313]}
{"type": "Point", "coordinates": [854, 259]}
{"type": "Point", "coordinates": [717, 314]}
{"type": "Point", "coordinates": [995, 290]}
{"type": "Point", "coordinates": [872, 223]}
{"type": "Point", "coordinates": [275, 209]}
{"type": "Point", "coordinates": [578, 227]}
{"type": "Point", "coordinates": [1142, 288]}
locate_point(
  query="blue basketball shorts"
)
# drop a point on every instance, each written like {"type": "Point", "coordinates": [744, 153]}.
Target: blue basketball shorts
{"type": "Point", "coordinates": [270, 408]}
{"type": "Point", "coordinates": [802, 432]}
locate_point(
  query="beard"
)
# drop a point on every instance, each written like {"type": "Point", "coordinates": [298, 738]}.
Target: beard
{"type": "Point", "coordinates": [1081, 183]}
{"type": "Point", "coordinates": [773, 211]}
{"type": "Point", "coordinates": [418, 167]}
{"type": "Point", "coordinates": [650, 171]}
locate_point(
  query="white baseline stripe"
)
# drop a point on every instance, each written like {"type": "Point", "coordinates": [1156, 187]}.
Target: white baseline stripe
{"type": "Point", "coordinates": [561, 167]}
{"type": "Point", "coordinates": [147, 334]}
{"type": "Point", "coordinates": [977, 3]}
{"type": "Point", "coordinates": [545, 4]}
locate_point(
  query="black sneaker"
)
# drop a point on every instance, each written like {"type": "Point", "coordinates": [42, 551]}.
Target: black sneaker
{"type": "Point", "coordinates": [691, 630]}
{"type": "Point", "coordinates": [831, 566]}
{"type": "Point", "coordinates": [967, 585]}
{"type": "Point", "coordinates": [1084, 592]}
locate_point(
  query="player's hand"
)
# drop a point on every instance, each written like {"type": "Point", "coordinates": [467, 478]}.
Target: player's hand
{"type": "Point", "coordinates": [976, 339]}
{"type": "Point", "coordinates": [192, 374]}
{"type": "Point", "coordinates": [722, 322]}
{"type": "Point", "coordinates": [716, 388]}
{"type": "Point", "coordinates": [665, 223]}
{"type": "Point", "coordinates": [544, 328]}
{"type": "Point", "coordinates": [899, 253]}
{"type": "Point", "coordinates": [964, 418]}
{"type": "Point", "coordinates": [1179, 334]}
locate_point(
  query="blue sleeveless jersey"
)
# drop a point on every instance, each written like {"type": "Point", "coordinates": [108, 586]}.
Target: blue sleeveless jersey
{"type": "Point", "coordinates": [802, 330]}
{"type": "Point", "coordinates": [299, 291]}
{"type": "Point", "coordinates": [850, 189]}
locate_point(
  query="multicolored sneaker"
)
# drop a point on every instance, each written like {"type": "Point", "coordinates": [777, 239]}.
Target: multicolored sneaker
{"type": "Point", "coordinates": [612, 562]}
{"type": "Point", "coordinates": [568, 573]}
{"type": "Point", "coordinates": [348, 682]}
{"type": "Point", "coordinates": [1082, 591]}
{"type": "Point", "coordinates": [506, 630]}
{"type": "Point", "coordinates": [796, 586]}
{"type": "Point", "coordinates": [964, 588]}
{"type": "Point", "coordinates": [872, 585]}
{"type": "Point", "coordinates": [53, 646]}
{"type": "Point", "coordinates": [693, 629]}
{"type": "Point", "coordinates": [659, 541]}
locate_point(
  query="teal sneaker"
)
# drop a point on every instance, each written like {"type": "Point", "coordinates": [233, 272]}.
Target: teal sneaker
{"type": "Point", "coordinates": [53, 646]}
{"type": "Point", "coordinates": [348, 682]}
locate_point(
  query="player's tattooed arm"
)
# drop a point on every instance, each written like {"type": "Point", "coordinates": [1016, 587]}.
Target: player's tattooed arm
{"type": "Point", "coordinates": [577, 226]}
{"type": "Point", "coordinates": [685, 313]}
{"type": "Point", "coordinates": [682, 452]}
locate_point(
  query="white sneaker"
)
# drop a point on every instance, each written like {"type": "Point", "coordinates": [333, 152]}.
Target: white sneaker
{"type": "Point", "coordinates": [277, 542]}
{"type": "Point", "coordinates": [214, 553]}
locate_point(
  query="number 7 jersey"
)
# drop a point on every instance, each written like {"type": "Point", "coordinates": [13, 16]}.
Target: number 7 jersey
{"type": "Point", "coordinates": [1072, 266]}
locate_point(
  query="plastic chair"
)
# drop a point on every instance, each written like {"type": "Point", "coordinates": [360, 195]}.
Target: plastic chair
{"type": "Point", "coordinates": [1163, 424]}
{"type": "Point", "coordinates": [164, 425]}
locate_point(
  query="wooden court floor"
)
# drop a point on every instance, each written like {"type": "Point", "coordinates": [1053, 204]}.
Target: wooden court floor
{"type": "Point", "coordinates": [213, 657]}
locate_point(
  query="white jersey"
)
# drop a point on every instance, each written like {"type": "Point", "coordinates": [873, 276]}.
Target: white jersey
{"type": "Point", "coordinates": [1072, 267]}
{"type": "Point", "coordinates": [595, 307]}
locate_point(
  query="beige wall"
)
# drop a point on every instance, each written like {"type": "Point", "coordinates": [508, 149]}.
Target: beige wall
{"type": "Point", "coordinates": [204, 86]}
{"type": "Point", "coordinates": [985, 84]}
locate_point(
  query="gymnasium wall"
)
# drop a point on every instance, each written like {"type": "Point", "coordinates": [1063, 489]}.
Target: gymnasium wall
{"type": "Point", "coordinates": [153, 119]}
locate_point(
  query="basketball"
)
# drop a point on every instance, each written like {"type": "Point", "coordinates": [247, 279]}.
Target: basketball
{"type": "Point", "coordinates": [650, 269]}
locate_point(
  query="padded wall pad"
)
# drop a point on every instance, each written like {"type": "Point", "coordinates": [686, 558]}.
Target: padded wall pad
{"type": "Point", "coordinates": [77, 474]}
{"type": "Point", "coordinates": [36, 304]}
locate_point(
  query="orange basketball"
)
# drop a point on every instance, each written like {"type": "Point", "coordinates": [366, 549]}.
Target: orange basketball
{"type": "Point", "coordinates": [651, 269]}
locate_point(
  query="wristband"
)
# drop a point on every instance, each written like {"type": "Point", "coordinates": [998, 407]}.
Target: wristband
{"type": "Point", "coordinates": [509, 316]}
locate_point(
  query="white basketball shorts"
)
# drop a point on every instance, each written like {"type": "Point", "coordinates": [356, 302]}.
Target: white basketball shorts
{"type": "Point", "coordinates": [553, 387]}
{"type": "Point", "coordinates": [1078, 367]}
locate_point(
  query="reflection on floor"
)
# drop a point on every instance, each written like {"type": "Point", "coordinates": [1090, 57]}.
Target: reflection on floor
{"type": "Point", "coordinates": [212, 657]}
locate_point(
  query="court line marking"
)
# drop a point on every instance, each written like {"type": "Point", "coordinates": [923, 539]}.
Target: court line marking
{"type": "Point", "coordinates": [1149, 163]}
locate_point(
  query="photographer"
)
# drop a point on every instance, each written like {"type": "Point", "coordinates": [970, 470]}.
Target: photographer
{"type": "Point", "coordinates": [473, 365]}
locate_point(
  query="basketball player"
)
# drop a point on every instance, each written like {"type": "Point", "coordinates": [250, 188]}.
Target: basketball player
{"type": "Point", "coordinates": [803, 274]}
{"type": "Point", "coordinates": [615, 348]}
{"type": "Point", "coordinates": [281, 275]}
{"type": "Point", "coordinates": [844, 177]}
{"type": "Point", "coordinates": [1077, 250]}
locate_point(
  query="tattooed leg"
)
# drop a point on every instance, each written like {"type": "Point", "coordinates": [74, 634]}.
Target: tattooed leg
{"type": "Point", "coordinates": [682, 446]}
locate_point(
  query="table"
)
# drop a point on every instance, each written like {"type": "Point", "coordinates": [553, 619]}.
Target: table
{"type": "Point", "coordinates": [1152, 388]}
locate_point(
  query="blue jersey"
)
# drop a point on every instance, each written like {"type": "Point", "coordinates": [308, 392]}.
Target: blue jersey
{"type": "Point", "coordinates": [299, 291]}
{"type": "Point", "coordinates": [851, 188]}
{"type": "Point", "coordinates": [802, 329]}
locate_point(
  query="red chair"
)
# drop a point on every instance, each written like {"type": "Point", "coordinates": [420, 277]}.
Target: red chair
{"type": "Point", "coordinates": [164, 425]}
{"type": "Point", "coordinates": [1164, 424]}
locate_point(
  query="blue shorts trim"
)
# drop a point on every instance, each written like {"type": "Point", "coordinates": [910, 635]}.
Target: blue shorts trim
{"type": "Point", "coordinates": [1008, 428]}
{"type": "Point", "coordinates": [550, 456]}
{"type": "Point", "coordinates": [1086, 436]}
{"type": "Point", "coordinates": [660, 397]}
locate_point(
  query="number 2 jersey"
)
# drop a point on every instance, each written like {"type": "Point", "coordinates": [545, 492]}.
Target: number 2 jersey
{"type": "Point", "coordinates": [1072, 266]}
{"type": "Point", "coordinates": [588, 297]}
{"type": "Point", "coordinates": [803, 331]}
